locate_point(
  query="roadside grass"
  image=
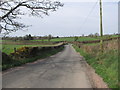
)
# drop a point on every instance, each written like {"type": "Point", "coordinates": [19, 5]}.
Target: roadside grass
{"type": "Point", "coordinates": [40, 55]}
{"type": "Point", "coordinates": [106, 64]}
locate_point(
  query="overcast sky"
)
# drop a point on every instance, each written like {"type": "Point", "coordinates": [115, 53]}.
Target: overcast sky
{"type": "Point", "coordinates": [70, 20]}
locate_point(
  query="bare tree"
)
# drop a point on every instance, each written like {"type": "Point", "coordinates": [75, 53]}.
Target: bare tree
{"type": "Point", "coordinates": [11, 10]}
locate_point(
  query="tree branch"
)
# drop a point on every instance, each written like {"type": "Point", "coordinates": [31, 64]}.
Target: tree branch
{"type": "Point", "coordinates": [10, 11]}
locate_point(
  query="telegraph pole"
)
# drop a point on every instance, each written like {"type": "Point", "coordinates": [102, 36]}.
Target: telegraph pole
{"type": "Point", "coordinates": [101, 26]}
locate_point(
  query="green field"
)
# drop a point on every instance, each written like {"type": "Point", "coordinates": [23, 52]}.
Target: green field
{"type": "Point", "coordinates": [10, 48]}
{"type": "Point", "coordinates": [70, 39]}
{"type": "Point", "coordinates": [9, 45]}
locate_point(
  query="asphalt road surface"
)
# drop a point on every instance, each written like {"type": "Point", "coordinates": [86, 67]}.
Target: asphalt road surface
{"type": "Point", "coordinates": [63, 70]}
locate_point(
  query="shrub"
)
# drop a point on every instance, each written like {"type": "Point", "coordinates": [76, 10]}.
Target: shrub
{"type": "Point", "coordinates": [23, 52]}
{"type": "Point", "coordinates": [6, 59]}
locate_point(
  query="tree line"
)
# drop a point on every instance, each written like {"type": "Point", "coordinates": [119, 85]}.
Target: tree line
{"type": "Point", "coordinates": [30, 37]}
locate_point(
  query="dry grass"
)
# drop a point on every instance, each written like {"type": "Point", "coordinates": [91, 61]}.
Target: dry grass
{"type": "Point", "coordinates": [106, 63]}
{"type": "Point", "coordinates": [110, 45]}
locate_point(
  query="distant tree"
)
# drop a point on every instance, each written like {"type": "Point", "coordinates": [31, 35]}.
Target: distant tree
{"type": "Point", "coordinates": [40, 37]}
{"type": "Point", "coordinates": [96, 34]}
{"type": "Point", "coordinates": [28, 37]}
{"type": "Point", "coordinates": [57, 37]}
{"type": "Point", "coordinates": [21, 38]}
{"type": "Point", "coordinates": [16, 38]}
{"type": "Point", "coordinates": [45, 37]}
{"type": "Point", "coordinates": [91, 35]}
{"type": "Point", "coordinates": [75, 38]}
{"type": "Point", "coordinates": [49, 37]}
{"type": "Point", "coordinates": [11, 10]}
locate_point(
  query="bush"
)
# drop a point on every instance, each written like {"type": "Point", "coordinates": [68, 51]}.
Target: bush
{"type": "Point", "coordinates": [6, 59]}
{"type": "Point", "coordinates": [30, 54]}
{"type": "Point", "coordinates": [25, 52]}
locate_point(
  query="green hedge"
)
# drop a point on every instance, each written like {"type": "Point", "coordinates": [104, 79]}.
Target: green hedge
{"type": "Point", "coordinates": [28, 54]}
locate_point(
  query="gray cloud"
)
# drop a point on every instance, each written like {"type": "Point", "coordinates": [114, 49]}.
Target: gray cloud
{"type": "Point", "coordinates": [67, 20]}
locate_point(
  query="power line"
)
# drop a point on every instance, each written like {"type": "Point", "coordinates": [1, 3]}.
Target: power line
{"type": "Point", "coordinates": [88, 15]}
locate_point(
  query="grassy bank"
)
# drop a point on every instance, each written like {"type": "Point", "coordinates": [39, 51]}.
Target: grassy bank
{"type": "Point", "coordinates": [9, 48]}
{"type": "Point", "coordinates": [44, 54]}
{"type": "Point", "coordinates": [106, 64]}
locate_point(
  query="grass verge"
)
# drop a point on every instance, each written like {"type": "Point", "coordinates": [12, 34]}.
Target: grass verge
{"type": "Point", "coordinates": [106, 64]}
{"type": "Point", "coordinates": [44, 54]}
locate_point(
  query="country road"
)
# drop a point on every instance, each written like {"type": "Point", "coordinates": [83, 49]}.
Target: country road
{"type": "Point", "coordinates": [63, 70]}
